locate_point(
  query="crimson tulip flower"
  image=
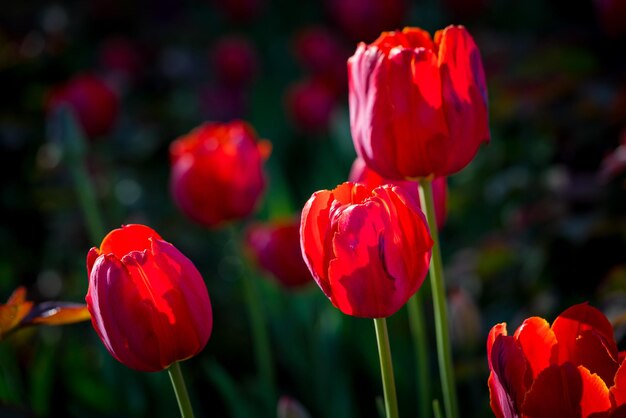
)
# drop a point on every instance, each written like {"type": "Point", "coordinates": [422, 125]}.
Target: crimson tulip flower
{"type": "Point", "coordinates": [235, 60]}
{"type": "Point", "coordinates": [570, 369]}
{"type": "Point", "coordinates": [93, 102]}
{"type": "Point", "coordinates": [368, 250]}
{"type": "Point", "coordinates": [275, 246]}
{"type": "Point", "coordinates": [361, 173]}
{"type": "Point", "coordinates": [418, 107]}
{"type": "Point", "coordinates": [310, 104]}
{"type": "Point", "coordinates": [148, 302]}
{"type": "Point", "coordinates": [217, 172]}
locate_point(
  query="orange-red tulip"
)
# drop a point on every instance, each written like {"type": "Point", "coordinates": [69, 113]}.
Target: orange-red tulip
{"type": "Point", "coordinates": [570, 369]}
{"type": "Point", "coordinates": [275, 247]}
{"type": "Point", "coordinates": [368, 250]}
{"type": "Point", "coordinates": [217, 172]}
{"type": "Point", "coordinates": [361, 173]}
{"type": "Point", "coordinates": [148, 302]}
{"type": "Point", "coordinates": [418, 106]}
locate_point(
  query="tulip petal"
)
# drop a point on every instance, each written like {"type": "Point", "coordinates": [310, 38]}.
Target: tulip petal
{"type": "Point", "coordinates": [591, 352]}
{"type": "Point", "coordinates": [618, 391]}
{"type": "Point", "coordinates": [537, 341]}
{"type": "Point", "coordinates": [569, 325]}
{"type": "Point", "coordinates": [314, 230]}
{"type": "Point", "coordinates": [557, 392]}
{"type": "Point", "coordinates": [120, 316]}
{"type": "Point", "coordinates": [464, 94]}
{"type": "Point", "coordinates": [509, 368]}
{"type": "Point", "coordinates": [496, 330]}
{"type": "Point", "coordinates": [417, 122]}
{"type": "Point", "coordinates": [360, 282]}
{"type": "Point", "coordinates": [188, 297]}
{"type": "Point", "coordinates": [595, 396]}
{"type": "Point", "coordinates": [121, 241]}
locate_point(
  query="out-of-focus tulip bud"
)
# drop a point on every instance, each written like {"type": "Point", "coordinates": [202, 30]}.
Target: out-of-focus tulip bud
{"type": "Point", "coordinates": [93, 102]}
{"type": "Point", "coordinates": [241, 11]}
{"type": "Point", "coordinates": [310, 104]}
{"type": "Point", "coordinates": [148, 302]}
{"type": "Point", "coordinates": [120, 58]}
{"type": "Point", "coordinates": [363, 20]}
{"type": "Point", "coordinates": [319, 51]}
{"type": "Point", "coordinates": [291, 408]}
{"type": "Point", "coordinates": [368, 250]}
{"type": "Point", "coordinates": [235, 60]}
{"type": "Point", "coordinates": [217, 172]}
{"type": "Point", "coordinates": [275, 247]}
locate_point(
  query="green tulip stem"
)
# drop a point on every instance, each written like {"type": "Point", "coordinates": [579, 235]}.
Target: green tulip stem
{"type": "Point", "coordinates": [444, 352]}
{"type": "Point", "coordinates": [65, 126]}
{"type": "Point", "coordinates": [178, 381]}
{"type": "Point", "coordinates": [386, 368]}
{"type": "Point", "coordinates": [258, 323]}
{"type": "Point", "coordinates": [417, 324]}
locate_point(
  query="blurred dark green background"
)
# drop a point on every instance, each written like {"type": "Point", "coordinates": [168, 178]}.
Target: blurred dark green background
{"type": "Point", "coordinates": [536, 222]}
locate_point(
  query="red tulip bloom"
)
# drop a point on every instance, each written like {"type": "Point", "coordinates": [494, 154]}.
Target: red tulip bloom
{"type": "Point", "coordinates": [235, 60]}
{"type": "Point", "coordinates": [368, 250]}
{"type": "Point", "coordinates": [276, 249]}
{"type": "Point", "coordinates": [217, 172]}
{"type": "Point", "coordinates": [148, 302]}
{"type": "Point", "coordinates": [361, 173]}
{"type": "Point", "coordinates": [323, 54]}
{"type": "Point", "coordinates": [310, 104]}
{"type": "Point", "coordinates": [365, 19]}
{"type": "Point", "coordinates": [570, 369]}
{"type": "Point", "coordinates": [94, 103]}
{"type": "Point", "coordinates": [418, 107]}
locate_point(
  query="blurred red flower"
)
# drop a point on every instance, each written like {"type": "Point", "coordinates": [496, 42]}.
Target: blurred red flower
{"type": "Point", "coordinates": [94, 103]}
{"type": "Point", "coordinates": [120, 58]}
{"type": "Point", "coordinates": [363, 20]}
{"type": "Point", "coordinates": [148, 302]}
{"type": "Point", "coordinates": [323, 54]}
{"type": "Point", "coordinates": [569, 369]}
{"type": "Point", "coordinates": [361, 173]}
{"type": "Point", "coordinates": [310, 104]}
{"type": "Point", "coordinates": [368, 250]}
{"type": "Point", "coordinates": [235, 60]}
{"type": "Point", "coordinates": [217, 172]}
{"type": "Point", "coordinates": [275, 246]}
{"type": "Point", "coordinates": [418, 107]}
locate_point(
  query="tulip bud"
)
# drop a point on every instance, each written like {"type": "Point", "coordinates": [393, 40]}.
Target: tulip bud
{"type": "Point", "coordinates": [148, 302]}
{"type": "Point", "coordinates": [276, 249]}
{"type": "Point", "coordinates": [291, 408]}
{"type": "Point", "coordinates": [94, 103]}
{"type": "Point", "coordinates": [310, 104]}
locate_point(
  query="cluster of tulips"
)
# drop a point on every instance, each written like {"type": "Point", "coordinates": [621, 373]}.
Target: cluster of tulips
{"type": "Point", "coordinates": [418, 114]}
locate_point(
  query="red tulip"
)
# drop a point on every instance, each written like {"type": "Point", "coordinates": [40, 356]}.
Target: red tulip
{"type": "Point", "coordinates": [276, 249]}
{"type": "Point", "coordinates": [94, 103]}
{"type": "Point", "coordinates": [368, 250]}
{"type": "Point", "coordinates": [418, 107]}
{"type": "Point", "coordinates": [148, 302]}
{"type": "Point", "coordinates": [235, 60]}
{"type": "Point", "coordinates": [365, 19]}
{"type": "Point", "coordinates": [569, 369]}
{"type": "Point", "coordinates": [217, 173]}
{"type": "Point", "coordinates": [361, 173]}
{"type": "Point", "coordinates": [319, 51]}
{"type": "Point", "coordinates": [310, 104]}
